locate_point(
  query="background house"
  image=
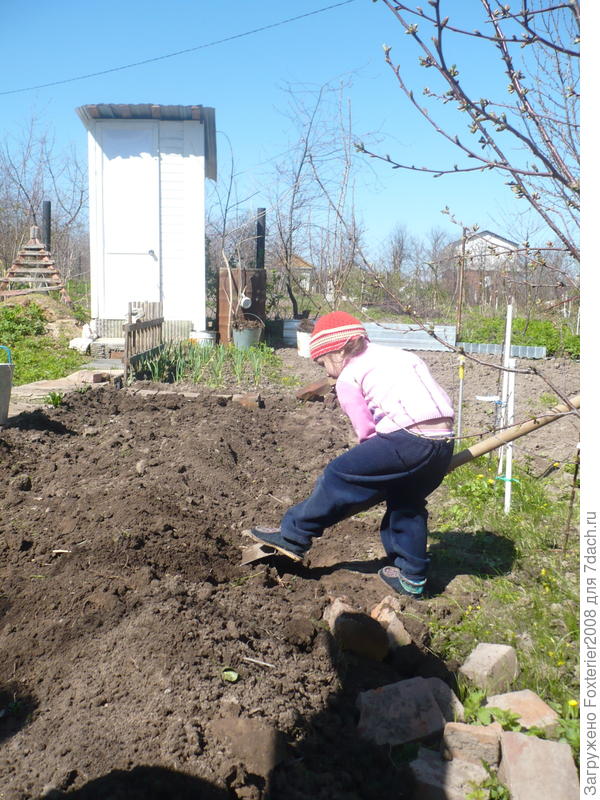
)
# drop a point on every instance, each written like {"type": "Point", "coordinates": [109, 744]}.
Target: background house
{"type": "Point", "coordinates": [493, 266]}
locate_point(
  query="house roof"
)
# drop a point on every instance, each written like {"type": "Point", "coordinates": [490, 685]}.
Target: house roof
{"type": "Point", "coordinates": [296, 262]}
{"type": "Point", "coordinates": [204, 114]}
{"type": "Point", "coordinates": [483, 235]}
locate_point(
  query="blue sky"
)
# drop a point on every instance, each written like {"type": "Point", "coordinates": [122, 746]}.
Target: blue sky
{"type": "Point", "coordinates": [245, 80]}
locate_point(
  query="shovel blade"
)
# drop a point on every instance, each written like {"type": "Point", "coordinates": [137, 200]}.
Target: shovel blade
{"type": "Point", "coordinates": [255, 552]}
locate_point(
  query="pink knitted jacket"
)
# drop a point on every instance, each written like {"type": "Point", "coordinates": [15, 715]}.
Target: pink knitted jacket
{"type": "Point", "coordinates": [385, 389]}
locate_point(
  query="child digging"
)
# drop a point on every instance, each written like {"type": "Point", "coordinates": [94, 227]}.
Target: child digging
{"type": "Point", "coordinates": [403, 420]}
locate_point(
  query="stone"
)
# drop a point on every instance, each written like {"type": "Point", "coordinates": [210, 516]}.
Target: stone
{"type": "Point", "coordinates": [387, 613]}
{"type": "Point", "coordinates": [530, 708]}
{"type": "Point", "coordinates": [492, 667]}
{"type": "Point", "coordinates": [472, 743]}
{"type": "Point", "coordinates": [358, 633]}
{"type": "Point", "coordinates": [450, 706]}
{"type": "Point", "coordinates": [140, 466]}
{"type": "Point", "coordinates": [257, 745]}
{"type": "Point", "coordinates": [535, 769]}
{"type": "Point", "coordinates": [400, 712]}
{"type": "Point", "coordinates": [437, 779]}
{"type": "Point", "coordinates": [339, 605]}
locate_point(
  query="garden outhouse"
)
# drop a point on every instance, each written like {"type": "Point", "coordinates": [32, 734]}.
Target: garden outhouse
{"type": "Point", "coordinates": [147, 168]}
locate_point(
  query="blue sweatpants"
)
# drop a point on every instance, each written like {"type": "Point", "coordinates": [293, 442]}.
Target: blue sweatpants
{"type": "Point", "coordinates": [397, 468]}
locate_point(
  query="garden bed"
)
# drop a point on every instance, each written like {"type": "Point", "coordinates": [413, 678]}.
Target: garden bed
{"type": "Point", "coordinates": [123, 600]}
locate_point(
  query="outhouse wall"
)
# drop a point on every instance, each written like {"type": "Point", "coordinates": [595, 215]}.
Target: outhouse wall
{"type": "Point", "coordinates": [146, 179]}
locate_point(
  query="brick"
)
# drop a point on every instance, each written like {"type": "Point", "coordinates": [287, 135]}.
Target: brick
{"type": "Point", "coordinates": [256, 744]}
{"type": "Point", "coordinates": [492, 667]}
{"type": "Point", "coordinates": [437, 779]}
{"type": "Point", "coordinates": [534, 769]}
{"type": "Point", "coordinates": [450, 706]}
{"type": "Point", "coordinates": [387, 613]}
{"type": "Point", "coordinates": [247, 400]}
{"type": "Point", "coordinates": [531, 709]}
{"type": "Point", "coordinates": [101, 377]}
{"type": "Point", "coordinates": [315, 390]}
{"type": "Point", "coordinates": [472, 743]}
{"type": "Point", "coordinates": [400, 712]}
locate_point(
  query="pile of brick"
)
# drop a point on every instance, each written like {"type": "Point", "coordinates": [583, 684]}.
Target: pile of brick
{"type": "Point", "coordinates": [427, 712]}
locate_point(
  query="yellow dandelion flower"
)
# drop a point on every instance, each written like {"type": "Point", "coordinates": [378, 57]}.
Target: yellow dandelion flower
{"type": "Point", "coordinates": [560, 663]}
{"type": "Point", "coordinates": [543, 571]}
{"type": "Point", "coordinates": [573, 703]}
{"type": "Point", "coordinates": [490, 480]}
{"type": "Point", "coordinates": [480, 476]}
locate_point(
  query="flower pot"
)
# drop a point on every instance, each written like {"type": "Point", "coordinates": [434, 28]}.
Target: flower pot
{"type": "Point", "coordinates": [303, 341]}
{"type": "Point", "coordinates": [246, 337]}
{"type": "Point", "coordinates": [6, 371]}
{"type": "Point", "coordinates": [203, 338]}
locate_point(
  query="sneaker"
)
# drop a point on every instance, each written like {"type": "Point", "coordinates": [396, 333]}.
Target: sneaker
{"type": "Point", "coordinates": [273, 537]}
{"type": "Point", "coordinates": [393, 578]}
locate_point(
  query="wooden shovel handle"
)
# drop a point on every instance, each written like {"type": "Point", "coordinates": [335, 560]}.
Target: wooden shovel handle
{"type": "Point", "coordinates": [510, 434]}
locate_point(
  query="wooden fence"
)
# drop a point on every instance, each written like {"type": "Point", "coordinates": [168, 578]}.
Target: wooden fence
{"type": "Point", "coordinates": [143, 335]}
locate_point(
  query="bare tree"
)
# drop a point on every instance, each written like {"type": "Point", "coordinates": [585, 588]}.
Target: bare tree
{"type": "Point", "coordinates": [529, 135]}
{"type": "Point", "coordinates": [31, 171]}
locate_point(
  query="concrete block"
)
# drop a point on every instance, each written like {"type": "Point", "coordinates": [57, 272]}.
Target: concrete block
{"type": "Point", "coordinates": [492, 667]}
{"type": "Point", "coordinates": [531, 709]}
{"type": "Point", "coordinates": [400, 712]}
{"type": "Point", "coordinates": [534, 769]}
{"type": "Point", "coordinates": [472, 743]}
{"type": "Point", "coordinates": [450, 706]}
{"type": "Point", "coordinates": [437, 779]}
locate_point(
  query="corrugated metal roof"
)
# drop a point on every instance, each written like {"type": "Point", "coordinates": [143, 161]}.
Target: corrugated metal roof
{"type": "Point", "coordinates": [408, 337]}
{"type": "Point", "coordinates": [204, 114]}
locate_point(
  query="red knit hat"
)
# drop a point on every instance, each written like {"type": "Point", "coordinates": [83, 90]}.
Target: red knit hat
{"type": "Point", "coordinates": [333, 331]}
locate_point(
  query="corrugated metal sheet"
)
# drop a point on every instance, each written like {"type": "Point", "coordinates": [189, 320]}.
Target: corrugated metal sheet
{"type": "Point", "coordinates": [516, 350]}
{"type": "Point", "coordinates": [408, 337]}
{"type": "Point", "coordinates": [173, 330]}
{"type": "Point", "coordinates": [204, 114]}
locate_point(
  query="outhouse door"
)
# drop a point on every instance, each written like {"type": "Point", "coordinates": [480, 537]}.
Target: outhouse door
{"type": "Point", "coordinates": [130, 214]}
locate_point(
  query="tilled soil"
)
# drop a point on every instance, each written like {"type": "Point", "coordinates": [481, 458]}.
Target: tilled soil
{"type": "Point", "coordinates": [123, 600]}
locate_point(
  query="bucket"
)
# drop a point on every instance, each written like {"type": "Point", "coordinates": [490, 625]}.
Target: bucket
{"type": "Point", "coordinates": [203, 338]}
{"type": "Point", "coordinates": [6, 371]}
{"type": "Point", "coordinates": [303, 341]}
{"type": "Point", "coordinates": [246, 337]}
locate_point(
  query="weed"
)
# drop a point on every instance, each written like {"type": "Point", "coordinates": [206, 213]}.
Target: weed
{"type": "Point", "coordinates": [490, 788]}
{"type": "Point", "coordinates": [54, 399]}
{"type": "Point", "coordinates": [41, 358]}
{"type": "Point", "coordinates": [527, 585]}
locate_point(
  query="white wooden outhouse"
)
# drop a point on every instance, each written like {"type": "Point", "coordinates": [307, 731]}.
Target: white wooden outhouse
{"type": "Point", "coordinates": [147, 167]}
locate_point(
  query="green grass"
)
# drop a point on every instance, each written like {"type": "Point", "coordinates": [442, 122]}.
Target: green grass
{"type": "Point", "coordinates": [38, 358]}
{"type": "Point", "coordinates": [521, 569]}
{"type": "Point", "coordinates": [555, 335]}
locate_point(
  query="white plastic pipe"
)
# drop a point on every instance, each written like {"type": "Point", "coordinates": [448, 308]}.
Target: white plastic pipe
{"type": "Point", "coordinates": [510, 419]}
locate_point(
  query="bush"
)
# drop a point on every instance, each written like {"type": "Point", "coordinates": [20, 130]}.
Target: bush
{"type": "Point", "coordinates": [556, 337]}
{"type": "Point", "coordinates": [17, 322]}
